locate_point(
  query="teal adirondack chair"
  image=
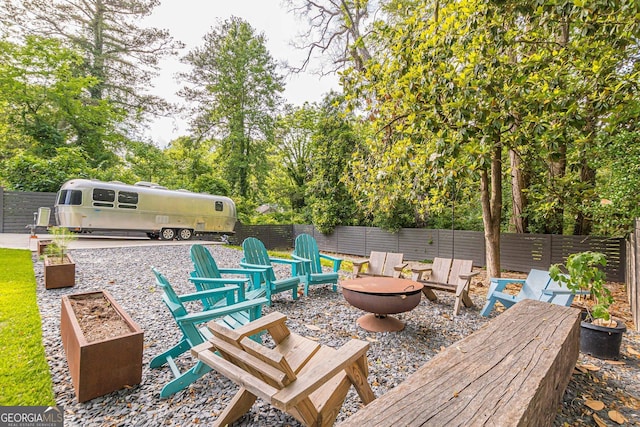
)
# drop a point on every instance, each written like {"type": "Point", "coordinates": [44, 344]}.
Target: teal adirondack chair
{"type": "Point", "coordinates": [306, 250]}
{"type": "Point", "coordinates": [538, 285]}
{"type": "Point", "coordinates": [207, 275]}
{"type": "Point", "coordinates": [194, 329]}
{"type": "Point", "coordinates": [257, 258]}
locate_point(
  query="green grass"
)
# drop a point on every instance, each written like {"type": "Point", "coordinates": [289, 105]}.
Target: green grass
{"type": "Point", "coordinates": [24, 374]}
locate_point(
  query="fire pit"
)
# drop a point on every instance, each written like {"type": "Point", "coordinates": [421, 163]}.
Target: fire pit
{"type": "Point", "coordinates": [381, 296]}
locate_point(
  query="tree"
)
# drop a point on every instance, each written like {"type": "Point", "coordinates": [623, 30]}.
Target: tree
{"type": "Point", "coordinates": [295, 129]}
{"type": "Point", "coordinates": [121, 55]}
{"type": "Point", "coordinates": [235, 89]}
{"type": "Point", "coordinates": [333, 143]}
{"type": "Point", "coordinates": [45, 100]}
{"type": "Point", "coordinates": [337, 28]}
{"type": "Point", "coordinates": [461, 83]}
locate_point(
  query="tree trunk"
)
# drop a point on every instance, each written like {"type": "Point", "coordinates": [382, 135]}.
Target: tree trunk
{"type": "Point", "coordinates": [519, 182]}
{"type": "Point", "coordinates": [491, 197]}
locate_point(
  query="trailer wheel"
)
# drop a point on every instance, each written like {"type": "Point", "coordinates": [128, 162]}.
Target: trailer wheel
{"type": "Point", "coordinates": [168, 234]}
{"type": "Point", "coordinates": [185, 234]}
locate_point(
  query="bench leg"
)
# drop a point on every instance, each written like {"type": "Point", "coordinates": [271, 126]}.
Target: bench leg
{"type": "Point", "coordinates": [429, 294]}
{"type": "Point", "coordinates": [239, 405]}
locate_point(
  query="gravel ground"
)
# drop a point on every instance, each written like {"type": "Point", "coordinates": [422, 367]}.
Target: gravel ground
{"type": "Point", "coordinates": [125, 273]}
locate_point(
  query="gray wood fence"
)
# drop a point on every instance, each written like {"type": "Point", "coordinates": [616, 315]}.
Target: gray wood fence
{"type": "Point", "coordinates": [17, 209]}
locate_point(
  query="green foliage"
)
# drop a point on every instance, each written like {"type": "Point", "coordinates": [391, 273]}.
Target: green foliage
{"type": "Point", "coordinates": [24, 373]}
{"type": "Point", "coordinates": [27, 172]}
{"type": "Point", "coordinates": [235, 88]}
{"type": "Point", "coordinates": [47, 102]}
{"type": "Point", "coordinates": [584, 273]}
{"type": "Point", "coordinates": [332, 144]}
{"type": "Point", "coordinates": [61, 237]}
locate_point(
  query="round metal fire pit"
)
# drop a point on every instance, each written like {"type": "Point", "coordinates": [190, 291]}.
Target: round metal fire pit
{"type": "Point", "coordinates": [381, 296]}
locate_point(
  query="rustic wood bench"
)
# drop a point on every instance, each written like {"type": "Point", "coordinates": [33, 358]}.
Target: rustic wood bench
{"type": "Point", "coordinates": [511, 372]}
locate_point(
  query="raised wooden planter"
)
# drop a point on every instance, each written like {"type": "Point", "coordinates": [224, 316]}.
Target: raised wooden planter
{"type": "Point", "coordinates": [102, 366]}
{"type": "Point", "coordinates": [59, 275]}
{"type": "Point", "coordinates": [42, 246]}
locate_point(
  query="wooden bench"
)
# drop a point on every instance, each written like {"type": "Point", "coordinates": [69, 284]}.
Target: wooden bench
{"type": "Point", "coordinates": [447, 275]}
{"type": "Point", "coordinates": [511, 372]}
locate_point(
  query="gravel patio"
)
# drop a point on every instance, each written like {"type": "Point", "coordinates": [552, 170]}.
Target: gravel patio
{"type": "Point", "coordinates": [323, 315]}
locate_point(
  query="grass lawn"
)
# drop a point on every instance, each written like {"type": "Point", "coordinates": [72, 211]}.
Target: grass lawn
{"type": "Point", "coordinates": [24, 373]}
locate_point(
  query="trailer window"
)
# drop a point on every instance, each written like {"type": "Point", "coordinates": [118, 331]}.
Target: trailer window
{"type": "Point", "coordinates": [127, 200]}
{"type": "Point", "coordinates": [103, 197]}
{"type": "Point", "coordinates": [127, 197]}
{"type": "Point", "coordinates": [219, 206]}
{"type": "Point", "coordinates": [70, 197]}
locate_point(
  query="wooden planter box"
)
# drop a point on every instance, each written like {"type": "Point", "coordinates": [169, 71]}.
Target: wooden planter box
{"type": "Point", "coordinates": [102, 366]}
{"type": "Point", "coordinates": [59, 275]}
{"type": "Point", "coordinates": [42, 246]}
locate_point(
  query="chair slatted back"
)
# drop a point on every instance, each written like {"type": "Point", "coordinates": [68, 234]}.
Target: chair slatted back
{"type": "Point", "coordinates": [440, 270]}
{"type": "Point", "coordinates": [203, 262]}
{"type": "Point", "coordinates": [256, 253]}
{"type": "Point", "coordinates": [393, 259]}
{"type": "Point", "coordinates": [458, 267]}
{"type": "Point", "coordinates": [307, 247]}
{"type": "Point", "coordinates": [377, 263]}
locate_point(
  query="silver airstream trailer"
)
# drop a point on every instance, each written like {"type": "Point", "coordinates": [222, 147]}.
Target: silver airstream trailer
{"type": "Point", "coordinates": [85, 205]}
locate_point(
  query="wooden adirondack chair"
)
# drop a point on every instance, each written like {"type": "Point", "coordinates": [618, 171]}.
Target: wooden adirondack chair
{"type": "Point", "coordinates": [207, 275]}
{"type": "Point", "coordinates": [257, 258]}
{"type": "Point", "coordinates": [231, 312]}
{"type": "Point", "coordinates": [537, 286]}
{"type": "Point", "coordinates": [297, 376]}
{"type": "Point", "coordinates": [306, 250]}
{"type": "Point", "coordinates": [447, 275]}
{"type": "Point", "coordinates": [380, 264]}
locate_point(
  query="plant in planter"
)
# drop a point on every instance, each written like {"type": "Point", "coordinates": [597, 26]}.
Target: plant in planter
{"type": "Point", "coordinates": [600, 334]}
{"type": "Point", "coordinates": [59, 268]}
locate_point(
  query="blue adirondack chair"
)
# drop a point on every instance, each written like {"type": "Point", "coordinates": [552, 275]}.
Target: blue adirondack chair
{"type": "Point", "coordinates": [207, 275]}
{"type": "Point", "coordinates": [306, 250]}
{"type": "Point", "coordinates": [538, 285]}
{"type": "Point", "coordinates": [194, 329]}
{"type": "Point", "coordinates": [257, 258]}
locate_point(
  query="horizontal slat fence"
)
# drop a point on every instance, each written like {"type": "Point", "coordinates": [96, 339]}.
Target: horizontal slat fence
{"type": "Point", "coordinates": [18, 208]}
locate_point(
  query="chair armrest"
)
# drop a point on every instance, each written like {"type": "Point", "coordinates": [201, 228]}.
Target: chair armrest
{"type": "Point", "coordinates": [563, 292]}
{"type": "Point", "coordinates": [200, 295]}
{"type": "Point", "coordinates": [294, 263]}
{"type": "Point", "coordinates": [217, 312]}
{"type": "Point", "coordinates": [306, 263]}
{"type": "Point", "coordinates": [357, 266]}
{"type": "Point", "coordinates": [400, 267]}
{"type": "Point", "coordinates": [254, 273]}
{"type": "Point", "coordinates": [336, 261]}
{"type": "Point", "coordinates": [241, 283]}
{"type": "Point", "coordinates": [417, 272]}
{"type": "Point", "coordinates": [469, 275]}
{"type": "Point", "coordinates": [498, 284]}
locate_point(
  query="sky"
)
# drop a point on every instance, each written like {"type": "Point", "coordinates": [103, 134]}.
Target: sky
{"type": "Point", "coordinates": [189, 20]}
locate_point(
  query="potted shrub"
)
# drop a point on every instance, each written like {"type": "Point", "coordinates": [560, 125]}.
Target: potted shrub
{"type": "Point", "coordinates": [600, 333]}
{"type": "Point", "coordinates": [59, 268]}
{"type": "Point", "coordinates": [103, 345]}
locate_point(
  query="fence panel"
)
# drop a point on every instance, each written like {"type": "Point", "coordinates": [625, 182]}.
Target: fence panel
{"type": "Point", "coordinates": [417, 244]}
{"type": "Point", "coordinates": [352, 240]}
{"type": "Point", "coordinates": [522, 252]}
{"type": "Point", "coordinates": [380, 240]}
{"type": "Point", "coordinates": [18, 208]}
{"type": "Point", "coordinates": [614, 250]}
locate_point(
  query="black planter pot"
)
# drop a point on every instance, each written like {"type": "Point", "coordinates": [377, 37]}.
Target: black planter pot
{"type": "Point", "coordinates": [600, 341]}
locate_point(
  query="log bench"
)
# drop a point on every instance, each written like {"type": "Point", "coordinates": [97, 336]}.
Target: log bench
{"type": "Point", "coordinates": [511, 372]}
